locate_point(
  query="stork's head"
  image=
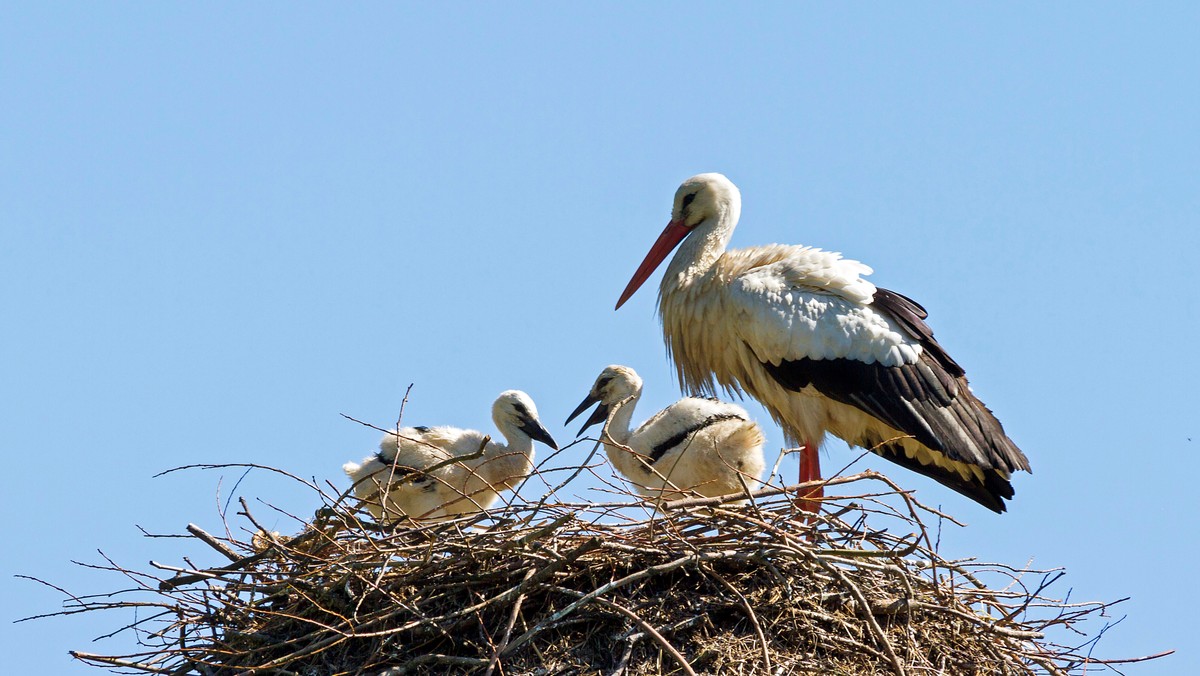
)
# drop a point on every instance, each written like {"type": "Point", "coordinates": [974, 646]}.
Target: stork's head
{"type": "Point", "coordinates": [703, 198]}
{"type": "Point", "coordinates": [615, 384]}
{"type": "Point", "coordinates": [515, 410]}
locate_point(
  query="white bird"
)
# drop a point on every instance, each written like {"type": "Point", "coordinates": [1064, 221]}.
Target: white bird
{"type": "Point", "coordinates": [823, 349]}
{"type": "Point", "coordinates": [394, 486]}
{"type": "Point", "coordinates": [696, 444]}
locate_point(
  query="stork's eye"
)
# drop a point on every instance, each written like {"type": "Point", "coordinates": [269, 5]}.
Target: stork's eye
{"type": "Point", "coordinates": [688, 199]}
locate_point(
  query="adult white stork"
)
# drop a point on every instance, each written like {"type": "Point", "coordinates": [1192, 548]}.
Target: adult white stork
{"type": "Point", "coordinates": [823, 349]}
{"type": "Point", "coordinates": [696, 444]}
{"type": "Point", "coordinates": [394, 484]}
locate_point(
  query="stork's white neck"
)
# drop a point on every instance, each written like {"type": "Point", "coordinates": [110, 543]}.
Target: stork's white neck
{"type": "Point", "coordinates": [512, 458]}
{"type": "Point", "coordinates": [618, 430]}
{"type": "Point", "coordinates": [622, 415]}
{"type": "Point", "coordinates": [700, 250]}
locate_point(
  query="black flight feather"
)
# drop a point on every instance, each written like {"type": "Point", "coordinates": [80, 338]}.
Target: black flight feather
{"type": "Point", "coordinates": [929, 401]}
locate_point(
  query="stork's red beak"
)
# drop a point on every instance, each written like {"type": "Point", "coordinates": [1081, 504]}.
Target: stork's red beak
{"type": "Point", "coordinates": [671, 236]}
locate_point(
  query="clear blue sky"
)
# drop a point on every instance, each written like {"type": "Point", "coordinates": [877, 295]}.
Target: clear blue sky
{"type": "Point", "coordinates": [222, 226]}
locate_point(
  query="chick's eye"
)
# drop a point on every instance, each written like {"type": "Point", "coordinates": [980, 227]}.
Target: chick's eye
{"type": "Point", "coordinates": [688, 199]}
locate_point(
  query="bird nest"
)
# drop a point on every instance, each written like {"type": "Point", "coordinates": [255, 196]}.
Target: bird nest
{"type": "Point", "coordinates": [702, 585]}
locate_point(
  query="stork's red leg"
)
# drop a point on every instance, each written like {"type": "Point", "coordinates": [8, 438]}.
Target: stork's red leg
{"type": "Point", "coordinates": [810, 470]}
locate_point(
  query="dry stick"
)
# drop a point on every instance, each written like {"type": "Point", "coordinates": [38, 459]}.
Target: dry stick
{"type": "Point", "coordinates": [687, 503]}
{"type": "Point", "coordinates": [616, 584]}
{"type": "Point", "coordinates": [914, 518]}
{"type": "Point", "coordinates": [188, 577]}
{"type": "Point", "coordinates": [877, 630]}
{"type": "Point", "coordinates": [783, 452]}
{"type": "Point", "coordinates": [880, 636]}
{"type": "Point", "coordinates": [568, 480]}
{"type": "Point", "coordinates": [645, 626]}
{"type": "Point", "coordinates": [1029, 597]}
{"type": "Point", "coordinates": [60, 590]}
{"type": "Point", "coordinates": [983, 622]}
{"type": "Point", "coordinates": [403, 403]}
{"type": "Point", "coordinates": [542, 531]}
{"type": "Point", "coordinates": [237, 563]}
{"type": "Point", "coordinates": [1041, 661]}
{"type": "Point", "coordinates": [312, 648]}
{"type": "Point", "coordinates": [116, 662]}
{"type": "Point", "coordinates": [762, 638]}
{"type": "Point", "coordinates": [434, 659]}
{"type": "Point", "coordinates": [748, 494]}
{"type": "Point", "coordinates": [975, 620]}
{"type": "Point", "coordinates": [857, 646]}
{"type": "Point", "coordinates": [619, 670]}
{"type": "Point", "coordinates": [249, 517]}
{"type": "Point", "coordinates": [248, 465]}
{"type": "Point", "coordinates": [548, 571]}
{"type": "Point", "coordinates": [873, 553]}
{"type": "Point", "coordinates": [1129, 660]}
{"type": "Point", "coordinates": [512, 621]}
{"type": "Point", "coordinates": [135, 625]}
{"type": "Point", "coordinates": [213, 542]}
{"type": "Point", "coordinates": [133, 576]}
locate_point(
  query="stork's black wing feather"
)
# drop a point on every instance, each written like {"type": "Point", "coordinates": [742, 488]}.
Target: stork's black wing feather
{"type": "Point", "coordinates": [928, 400]}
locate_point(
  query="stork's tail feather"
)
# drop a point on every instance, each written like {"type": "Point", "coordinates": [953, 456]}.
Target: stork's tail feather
{"type": "Point", "coordinates": [991, 492]}
{"type": "Point", "coordinates": [1004, 451]}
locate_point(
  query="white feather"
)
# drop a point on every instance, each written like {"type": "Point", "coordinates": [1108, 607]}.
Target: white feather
{"type": "Point", "coordinates": [812, 304]}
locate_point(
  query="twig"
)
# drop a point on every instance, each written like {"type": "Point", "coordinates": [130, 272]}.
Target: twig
{"type": "Point", "coordinates": [213, 542]}
{"type": "Point", "coordinates": [645, 626]}
{"type": "Point", "coordinates": [512, 621]}
{"type": "Point", "coordinates": [762, 637]}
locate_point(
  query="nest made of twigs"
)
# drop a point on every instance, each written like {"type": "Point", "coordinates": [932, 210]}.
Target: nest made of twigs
{"type": "Point", "coordinates": [704, 585]}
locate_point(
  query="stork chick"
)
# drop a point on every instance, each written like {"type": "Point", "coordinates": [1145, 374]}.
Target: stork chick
{"type": "Point", "coordinates": [394, 482]}
{"type": "Point", "coordinates": [702, 445]}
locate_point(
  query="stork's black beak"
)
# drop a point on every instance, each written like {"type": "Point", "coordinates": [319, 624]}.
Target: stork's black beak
{"type": "Point", "coordinates": [537, 432]}
{"type": "Point", "coordinates": [598, 416]}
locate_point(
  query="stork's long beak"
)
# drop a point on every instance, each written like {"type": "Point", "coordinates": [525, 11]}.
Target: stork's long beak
{"type": "Point", "coordinates": [597, 416]}
{"type": "Point", "coordinates": [670, 238]}
{"type": "Point", "coordinates": [537, 432]}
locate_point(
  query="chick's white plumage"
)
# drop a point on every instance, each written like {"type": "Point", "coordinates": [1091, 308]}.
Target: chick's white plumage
{"type": "Point", "coordinates": [414, 474]}
{"type": "Point", "coordinates": [697, 444]}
